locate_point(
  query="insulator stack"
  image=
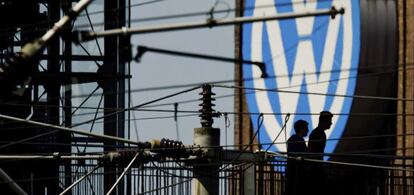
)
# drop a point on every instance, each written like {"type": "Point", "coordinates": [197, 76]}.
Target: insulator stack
{"type": "Point", "coordinates": [121, 157]}
{"type": "Point", "coordinates": [127, 154]}
{"type": "Point", "coordinates": [169, 148]}
{"type": "Point", "coordinates": [207, 112]}
{"type": "Point", "coordinates": [171, 144]}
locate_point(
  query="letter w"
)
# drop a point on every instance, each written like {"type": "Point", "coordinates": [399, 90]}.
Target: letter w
{"type": "Point", "coordinates": [304, 65]}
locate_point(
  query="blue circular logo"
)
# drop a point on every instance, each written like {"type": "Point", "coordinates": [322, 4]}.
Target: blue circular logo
{"type": "Point", "coordinates": [309, 55]}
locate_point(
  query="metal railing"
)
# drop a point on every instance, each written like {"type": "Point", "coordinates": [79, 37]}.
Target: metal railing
{"type": "Point", "coordinates": [263, 177]}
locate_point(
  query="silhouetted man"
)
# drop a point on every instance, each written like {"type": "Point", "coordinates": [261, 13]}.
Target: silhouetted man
{"type": "Point", "coordinates": [317, 143]}
{"type": "Point", "coordinates": [296, 144]}
{"type": "Point", "coordinates": [296, 147]}
{"type": "Point", "coordinates": [317, 138]}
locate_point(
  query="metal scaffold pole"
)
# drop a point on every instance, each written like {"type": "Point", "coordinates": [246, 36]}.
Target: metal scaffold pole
{"type": "Point", "coordinates": [206, 171]}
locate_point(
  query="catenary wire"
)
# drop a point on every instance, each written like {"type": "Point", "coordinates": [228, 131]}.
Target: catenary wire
{"type": "Point", "coordinates": [92, 120]}
{"type": "Point", "coordinates": [168, 87]}
{"type": "Point", "coordinates": [195, 112]}
{"type": "Point", "coordinates": [156, 18]}
{"type": "Point", "coordinates": [315, 93]}
{"type": "Point", "coordinates": [37, 24]}
{"type": "Point", "coordinates": [218, 82]}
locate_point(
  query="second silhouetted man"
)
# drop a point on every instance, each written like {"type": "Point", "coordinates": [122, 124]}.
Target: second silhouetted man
{"type": "Point", "coordinates": [317, 138]}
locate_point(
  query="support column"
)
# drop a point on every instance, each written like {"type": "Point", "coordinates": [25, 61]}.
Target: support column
{"type": "Point", "coordinates": [113, 89]}
{"type": "Point", "coordinates": [243, 132]}
{"type": "Point", "coordinates": [206, 171]}
{"type": "Point", "coordinates": [67, 109]}
{"type": "Point", "coordinates": [405, 121]}
{"type": "Point", "coordinates": [206, 176]}
{"type": "Point", "coordinates": [51, 169]}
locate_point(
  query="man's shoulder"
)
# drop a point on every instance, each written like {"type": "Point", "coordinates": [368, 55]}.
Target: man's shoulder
{"type": "Point", "coordinates": [316, 133]}
{"type": "Point", "coordinates": [295, 138]}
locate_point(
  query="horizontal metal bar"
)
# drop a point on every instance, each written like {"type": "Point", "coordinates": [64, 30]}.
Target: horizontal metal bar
{"type": "Point", "coordinates": [81, 132]}
{"type": "Point", "coordinates": [62, 57]}
{"type": "Point", "coordinates": [50, 157]}
{"type": "Point", "coordinates": [81, 36]}
{"type": "Point", "coordinates": [76, 57]}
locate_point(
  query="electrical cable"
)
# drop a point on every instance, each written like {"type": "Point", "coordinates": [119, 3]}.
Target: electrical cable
{"type": "Point", "coordinates": [79, 180]}
{"type": "Point", "coordinates": [49, 22]}
{"type": "Point", "coordinates": [192, 100]}
{"type": "Point", "coordinates": [248, 145]}
{"type": "Point", "coordinates": [352, 155]}
{"type": "Point", "coordinates": [287, 117]}
{"type": "Point", "coordinates": [140, 105]}
{"type": "Point", "coordinates": [85, 122]}
{"type": "Point", "coordinates": [195, 113]}
{"type": "Point", "coordinates": [83, 36]}
{"type": "Point", "coordinates": [4, 30]}
{"type": "Point", "coordinates": [58, 177]}
{"type": "Point", "coordinates": [83, 102]}
{"type": "Point", "coordinates": [285, 87]}
{"type": "Point", "coordinates": [202, 13]}
{"type": "Point", "coordinates": [105, 137]}
{"type": "Point", "coordinates": [123, 173]}
{"type": "Point", "coordinates": [358, 154]}
{"type": "Point", "coordinates": [315, 93]}
{"type": "Point", "coordinates": [165, 187]}
{"type": "Point", "coordinates": [125, 7]}
{"type": "Point", "coordinates": [260, 120]}
{"type": "Point", "coordinates": [68, 144]}
{"type": "Point", "coordinates": [92, 28]}
{"type": "Point", "coordinates": [353, 164]}
{"type": "Point", "coordinates": [92, 125]}
{"type": "Point", "coordinates": [343, 163]}
{"type": "Point", "coordinates": [269, 77]}
{"type": "Point", "coordinates": [134, 118]}
{"type": "Point", "coordinates": [46, 156]}
{"type": "Point", "coordinates": [89, 54]}
{"type": "Point", "coordinates": [248, 79]}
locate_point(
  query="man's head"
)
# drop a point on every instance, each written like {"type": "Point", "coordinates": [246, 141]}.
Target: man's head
{"type": "Point", "coordinates": [325, 120]}
{"type": "Point", "coordinates": [301, 128]}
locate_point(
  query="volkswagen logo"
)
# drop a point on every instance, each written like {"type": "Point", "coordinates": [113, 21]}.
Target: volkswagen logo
{"type": "Point", "coordinates": [315, 54]}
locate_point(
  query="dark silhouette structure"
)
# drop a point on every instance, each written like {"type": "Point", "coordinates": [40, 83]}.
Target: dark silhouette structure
{"type": "Point", "coordinates": [317, 138]}
{"type": "Point", "coordinates": [317, 143]}
{"type": "Point", "coordinates": [296, 144]}
{"type": "Point", "coordinates": [296, 147]}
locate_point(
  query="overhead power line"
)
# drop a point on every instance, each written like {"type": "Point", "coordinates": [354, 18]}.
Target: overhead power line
{"type": "Point", "coordinates": [315, 93]}
{"type": "Point", "coordinates": [86, 14]}
{"type": "Point", "coordinates": [70, 130]}
{"type": "Point", "coordinates": [231, 95]}
{"type": "Point", "coordinates": [348, 164]}
{"type": "Point", "coordinates": [210, 12]}
{"type": "Point", "coordinates": [363, 69]}
{"type": "Point", "coordinates": [137, 106]}
{"type": "Point", "coordinates": [142, 49]}
{"type": "Point", "coordinates": [82, 36]}
{"type": "Point", "coordinates": [193, 113]}
{"type": "Point", "coordinates": [87, 133]}
{"type": "Point", "coordinates": [390, 69]}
